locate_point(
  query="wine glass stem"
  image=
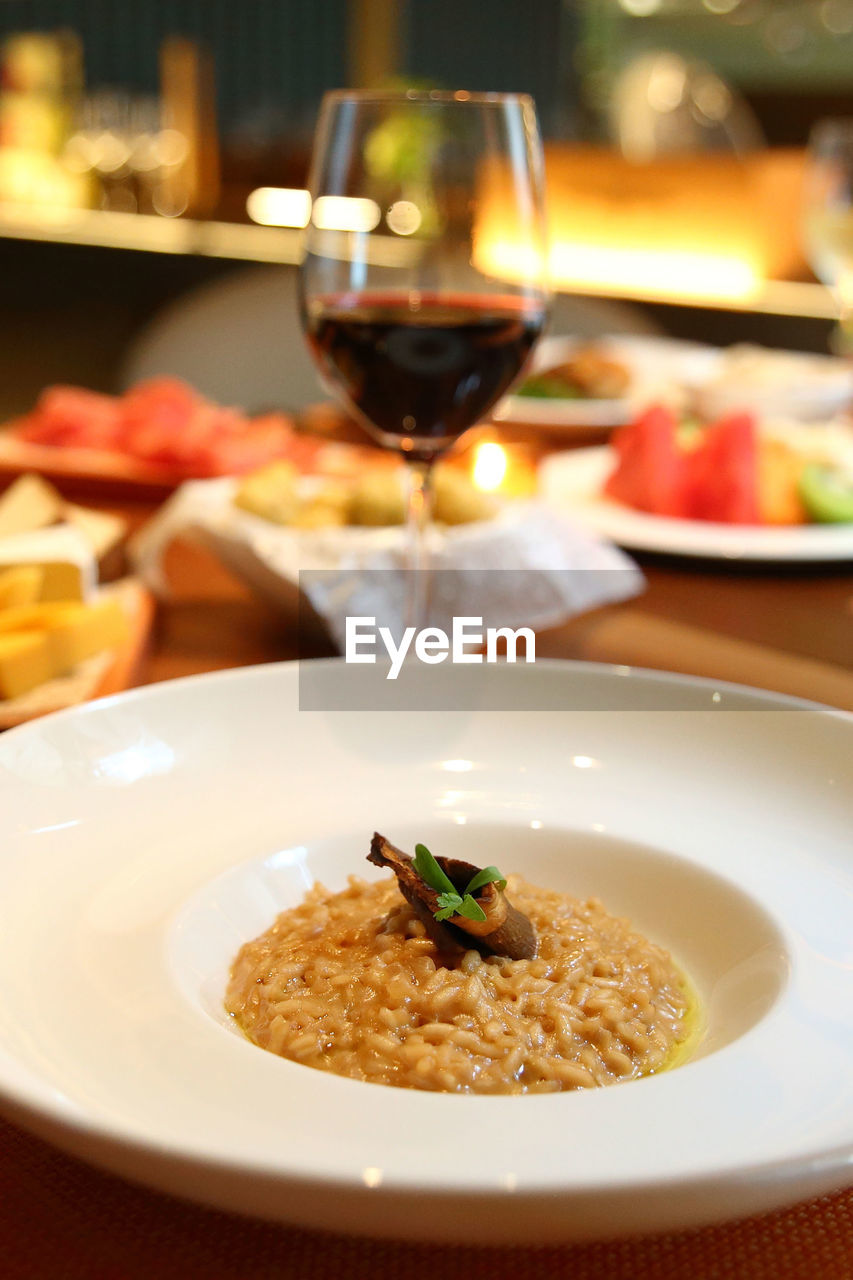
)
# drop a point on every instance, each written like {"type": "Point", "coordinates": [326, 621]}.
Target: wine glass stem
{"type": "Point", "coordinates": [419, 508]}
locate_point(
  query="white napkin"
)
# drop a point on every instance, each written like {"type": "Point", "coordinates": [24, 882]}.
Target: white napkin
{"type": "Point", "coordinates": [549, 569]}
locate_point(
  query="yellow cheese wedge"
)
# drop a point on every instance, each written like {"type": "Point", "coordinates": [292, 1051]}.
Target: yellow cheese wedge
{"type": "Point", "coordinates": [76, 632]}
{"type": "Point", "coordinates": [34, 617]}
{"type": "Point", "coordinates": [101, 529]}
{"type": "Point", "coordinates": [21, 585]}
{"type": "Point", "coordinates": [61, 582]}
{"type": "Point", "coordinates": [63, 553]}
{"type": "Point", "coordinates": [26, 660]}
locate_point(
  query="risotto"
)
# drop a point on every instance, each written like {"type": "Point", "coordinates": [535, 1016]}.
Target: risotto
{"type": "Point", "coordinates": [352, 983]}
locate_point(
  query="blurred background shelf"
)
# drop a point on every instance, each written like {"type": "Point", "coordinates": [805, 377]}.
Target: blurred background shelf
{"type": "Point", "coordinates": [149, 233]}
{"type": "Point", "coordinates": [244, 242]}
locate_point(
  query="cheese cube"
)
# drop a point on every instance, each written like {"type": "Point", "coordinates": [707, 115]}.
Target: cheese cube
{"type": "Point", "coordinates": [63, 554]}
{"type": "Point", "coordinates": [25, 661]}
{"type": "Point", "coordinates": [21, 585]}
{"type": "Point", "coordinates": [34, 617]}
{"type": "Point", "coordinates": [74, 631]}
{"type": "Point", "coordinates": [78, 631]}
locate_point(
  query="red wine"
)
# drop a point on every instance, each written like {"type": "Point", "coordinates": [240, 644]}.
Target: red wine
{"type": "Point", "coordinates": [422, 370]}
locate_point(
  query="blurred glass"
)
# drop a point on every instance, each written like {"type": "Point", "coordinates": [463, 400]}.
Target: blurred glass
{"type": "Point", "coordinates": [125, 142]}
{"type": "Point", "coordinates": [828, 217]}
{"type": "Point", "coordinates": [664, 104]}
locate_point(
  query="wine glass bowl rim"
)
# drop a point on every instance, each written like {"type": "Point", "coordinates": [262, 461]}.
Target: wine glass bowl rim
{"type": "Point", "coordinates": [440, 96]}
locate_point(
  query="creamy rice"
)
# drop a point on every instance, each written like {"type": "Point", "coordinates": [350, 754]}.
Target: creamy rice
{"type": "Point", "coordinates": [351, 983]}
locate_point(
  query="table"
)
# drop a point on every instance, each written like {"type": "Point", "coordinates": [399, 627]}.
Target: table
{"type": "Point", "coordinates": [788, 630]}
{"type": "Point", "coordinates": [58, 1218]}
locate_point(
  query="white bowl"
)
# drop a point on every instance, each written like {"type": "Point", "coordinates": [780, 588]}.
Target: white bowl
{"type": "Point", "coordinates": [143, 838]}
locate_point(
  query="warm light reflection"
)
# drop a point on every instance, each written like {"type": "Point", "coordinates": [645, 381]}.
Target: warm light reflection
{"type": "Point", "coordinates": [640, 8]}
{"type": "Point", "coordinates": [679, 273]}
{"type": "Point", "coordinates": [143, 759]}
{"type": "Point", "coordinates": [505, 469]}
{"type": "Point", "coordinates": [279, 206]}
{"type": "Point", "coordinates": [585, 762]}
{"type": "Point", "coordinates": [490, 466]}
{"type": "Point", "coordinates": [689, 227]}
{"type": "Point", "coordinates": [30, 177]}
{"type": "Point", "coordinates": [291, 207]}
{"type": "Point", "coordinates": [457, 766]}
{"type": "Point", "coordinates": [404, 217]}
{"type": "Point", "coordinates": [345, 213]}
{"type": "Point", "coordinates": [685, 273]}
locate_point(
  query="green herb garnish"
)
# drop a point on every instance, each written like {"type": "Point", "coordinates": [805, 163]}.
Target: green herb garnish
{"type": "Point", "coordinates": [450, 901]}
{"type": "Point", "coordinates": [429, 871]}
{"type": "Point", "coordinates": [489, 875]}
{"type": "Point", "coordinates": [453, 904]}
{"type": "Point", "coordinates": [544, 386]}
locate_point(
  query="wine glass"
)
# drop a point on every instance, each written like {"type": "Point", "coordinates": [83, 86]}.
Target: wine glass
{"type": "Point", "coordinates": [422, 289]}
{"type": "Point", "coordinates": [828, 217]}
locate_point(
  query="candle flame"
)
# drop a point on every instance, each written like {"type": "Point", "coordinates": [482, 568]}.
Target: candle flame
{"type": "Point", "coordinates": [490, 466]}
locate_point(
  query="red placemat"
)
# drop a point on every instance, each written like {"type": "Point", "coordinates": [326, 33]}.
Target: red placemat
{"type": "Point", "coordinates": [60, 1220]}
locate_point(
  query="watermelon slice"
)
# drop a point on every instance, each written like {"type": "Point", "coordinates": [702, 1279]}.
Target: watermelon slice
{"type": "Point", "coordinates": [166, 423]}
{"type": "Point", "coordinates": [650, 469]}
{"type": "Point", "coordinates": [722, 473]}
{"type": "Point", "coordinates": [72, 417]}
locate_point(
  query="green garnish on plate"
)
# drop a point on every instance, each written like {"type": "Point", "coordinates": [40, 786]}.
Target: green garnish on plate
{"type": "Point", "coordinates": [544, 386]}
{"type": "Point", "coordinates": [450, 901]}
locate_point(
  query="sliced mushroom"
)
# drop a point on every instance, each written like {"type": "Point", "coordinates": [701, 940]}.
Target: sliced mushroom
{"type": "Point", "coordinates": [506, 931]}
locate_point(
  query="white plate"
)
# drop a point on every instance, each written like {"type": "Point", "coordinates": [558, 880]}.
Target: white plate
{"type": "Point", "coordinates": [547, 412]}
{"type": "Point", "coordinates": [144, 837]}
{"type": "Point", "coordinates": [572, 483]}
{"type": "Point", "coordinates": [657, 366]}
{"type": "Point", "coordinates": [692, 376]}
{"type": "Point", "coordinates": [776, 384]}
